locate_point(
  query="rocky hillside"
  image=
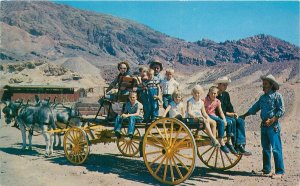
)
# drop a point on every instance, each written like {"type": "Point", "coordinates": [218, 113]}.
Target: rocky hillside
{"type": "Point", "coordinates": [55, 32]}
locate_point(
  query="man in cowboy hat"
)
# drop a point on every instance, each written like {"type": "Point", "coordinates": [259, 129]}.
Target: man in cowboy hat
{"type": "Point", "coordinates": [272, 108]}
{"type": "Point", "coordinates": [236, 127]}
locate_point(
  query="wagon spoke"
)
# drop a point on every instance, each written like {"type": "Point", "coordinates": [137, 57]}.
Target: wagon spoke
{"type": "Point", "coordinates": [178, 132]}
{"type": "Point", "coordinates": [160, 164]}
{"type": "Point", "coordinates": [123, 143]}
{"type": "Point", "coordinates": [162, 137]}
{"type": "Point", "coordinates": [154, 137]}
{"type": "Point", "coordinates": [228, 158]}
{"type": "Point", "coordinates": [124, 146]}
{"type": "Point", "coordinates": [149, 142]}
{"type": "Point", "coordinates": [71, 140]}
{"type": "Point", "coordinates": [132, 148]}
{"type": "Point", "coordinates": [211, 155]}
{"type": "Point", "coordinates": [154, 152]}
{"type": "Point", "coordinates": [181, 162]}
{"type": "Point", "coordinates": [171, 132]}
{"type": "Point", "coordinates": [134, 145]}
{"type": "Point", "coordinates": [157, 158]}
{"type": "Point", "coordinates": [165, 130]}
{"type": "Point", "coordinates": [165, 170]}
{"type": "Point", "coordinates": [207, 150]}
{"type": "Point", "coordinates": [222, 159]}
{"type": "Point", "coordinates": [182, 140]}
{"type": "Point", "coordinates": [176, 166]}
{"type": "Point", "coordinates": [126, 149]}
{"type": "Point", "coordinates": [216, 157]}
{"type": "Point", "coordinates": [171, 169]}
{"type": "Point", "coordinates": [184, 156]}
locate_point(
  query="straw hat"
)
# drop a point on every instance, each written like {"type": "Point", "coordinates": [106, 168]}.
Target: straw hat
{"type": "Point", "coordinates": [223, 79]}
{"type": "Point", "coordinates": [272, 80]}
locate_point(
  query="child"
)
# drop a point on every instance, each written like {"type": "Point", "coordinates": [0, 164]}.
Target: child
{"type": "Point", "coordinates": [175, 108]}
{"type": "Point", "coordinates": [211, 103]}
{"type": "Point", "coordinates": [151, 92]}
{"type": "Point", "coordinates": [132, 113]}
{"type": "Point", "coordinates": [196, 110]}
{"type": "Point", "coordinates": [168, 85]}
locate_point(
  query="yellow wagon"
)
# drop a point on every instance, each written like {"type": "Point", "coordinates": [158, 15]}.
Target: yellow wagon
{"type": "Point", "coordinates": [169, 147]}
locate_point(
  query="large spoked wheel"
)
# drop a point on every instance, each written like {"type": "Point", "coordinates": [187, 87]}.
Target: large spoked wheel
{"type": "Point", "coordinates": [213, 157]}
{"type": "Point", "coordinates": [129, 148]}
{"type": "Point", "coordinates": [169, 151]}
{"type": "Point", "coordinates": [76, 145]}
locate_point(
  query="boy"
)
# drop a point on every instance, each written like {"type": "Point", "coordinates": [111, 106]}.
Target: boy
{"type": "Point", "coordinates": [151, 92]}
{"type": "Point", "coordinates": [132, 113]}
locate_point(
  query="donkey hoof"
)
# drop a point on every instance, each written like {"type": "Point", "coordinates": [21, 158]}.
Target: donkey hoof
{"type": "Point", "coordinates": [29, 148]}
{"type": "Point", "coordinates": [23, 147]}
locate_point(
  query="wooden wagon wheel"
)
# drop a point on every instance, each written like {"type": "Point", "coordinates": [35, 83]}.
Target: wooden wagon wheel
{"type": "Point", "coordinates": [129, 148]}
{"type": "Point", "coordinates": [169, 151]}
{"type": "Point", "coordinates": [76, 145]}
{"type": "Point", "coordinates": [214, 158]}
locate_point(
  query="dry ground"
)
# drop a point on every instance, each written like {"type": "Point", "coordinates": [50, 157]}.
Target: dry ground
{"type": "Point", "coordinates": [106, 166]}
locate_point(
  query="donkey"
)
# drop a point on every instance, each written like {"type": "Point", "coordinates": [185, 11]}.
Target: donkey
{"type": "Point", "coordinates": [65, 117]}
{"type": "Point", "coordinates": [32, 118]}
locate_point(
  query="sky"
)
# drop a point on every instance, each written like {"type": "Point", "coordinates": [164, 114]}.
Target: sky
{"type": "Point", "coordinates": [217, 20]}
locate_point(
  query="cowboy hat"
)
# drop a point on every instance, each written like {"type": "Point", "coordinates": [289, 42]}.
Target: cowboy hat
{"type": "Point", "coordinates": [271, 79]}
{"type": "Point", "coordinates": [223, 79]}
{"type": "Point", "coordinates": [156, 62]}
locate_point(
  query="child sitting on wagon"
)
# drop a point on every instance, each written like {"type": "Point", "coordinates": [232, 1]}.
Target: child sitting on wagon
{"type": "Point", "coordinates": [175, 109]}
{"type": "Point", "coordinates": [211, 103]}
{"type": "Point", "coordinates": [132, 113]}
{"type": "Point", "coordinates": [168, 86]}
{"type": "Point", "coordinates": [196, 111]}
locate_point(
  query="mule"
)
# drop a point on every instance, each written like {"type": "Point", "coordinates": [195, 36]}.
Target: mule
{"type": "Point", "coordinates": [32, 118]}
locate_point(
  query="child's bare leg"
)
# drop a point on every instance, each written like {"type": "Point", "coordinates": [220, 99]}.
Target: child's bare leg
{"type": "Point", "coordinates": [208, 129]}
{"type": "Point", "coordinates": [213, 126]}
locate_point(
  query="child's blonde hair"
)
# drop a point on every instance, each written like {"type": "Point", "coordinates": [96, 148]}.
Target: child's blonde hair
{"type": "Point", "coordinates": [170, 70]}
{"type": "Point", "coordinates": [197, 88]}
{"type": "Point", "coordinates": [176, 94]}
{"type": "Point", "coordinates": [150, 71]}
{"type": "Point", "coordinates": [133, 93]}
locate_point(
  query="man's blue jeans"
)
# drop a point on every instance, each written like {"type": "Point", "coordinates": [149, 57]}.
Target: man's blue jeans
{"type": "Point", "coordinates": [131, 123]}
{"type": "Point", "coordinates": [237, 130]}
{"type": "Point", "coordinates": [270, 137]}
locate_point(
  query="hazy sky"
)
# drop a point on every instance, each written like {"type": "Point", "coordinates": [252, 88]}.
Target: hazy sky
{"type": "Point", "coordinates": [218, 21]}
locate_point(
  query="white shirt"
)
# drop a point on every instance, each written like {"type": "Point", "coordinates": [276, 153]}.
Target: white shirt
{"type": "Point", "coordinates": [196, 107]}
{"type": "Point", "coordinates": [169, 86]}
{"type": "Point", "coordinates": [175, 109]}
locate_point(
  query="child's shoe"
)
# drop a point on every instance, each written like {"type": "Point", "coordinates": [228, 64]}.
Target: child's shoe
{"type": "Point", "coordinates": [117, 135]}
{"type": "Point", "coordinates": [215, 143]}
{"type": "Point", "coordinates": [224, 149]}
{"type": "Point", "coordinates": [129, 137]}
{"type": "Point", "coordinates": [231, 148]}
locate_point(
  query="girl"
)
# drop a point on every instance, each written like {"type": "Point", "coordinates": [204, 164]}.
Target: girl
{"type": "Point", "coordinates": [211, 103]}
{"type": "Point", "coordinates": [175, 107]}
{"type": "Point", "coordinates": [196, 110]}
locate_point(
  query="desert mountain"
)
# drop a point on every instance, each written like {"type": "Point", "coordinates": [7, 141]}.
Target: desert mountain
{"type": "Point", "coordinates": [51, 31]}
